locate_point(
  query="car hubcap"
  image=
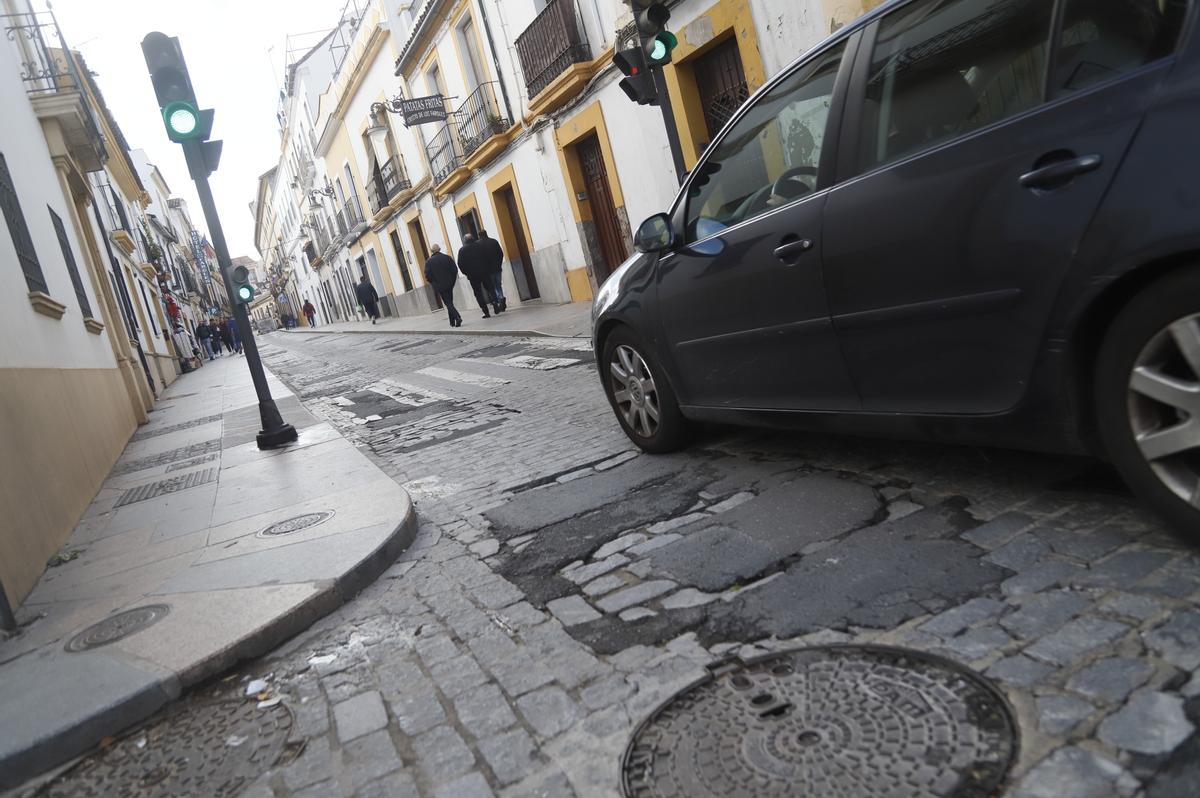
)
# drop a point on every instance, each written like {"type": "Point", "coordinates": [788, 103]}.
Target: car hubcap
{"type": "Point", "coordinates": [634, 392]}
{"type": "Point", "coordinates": [1164, 407]}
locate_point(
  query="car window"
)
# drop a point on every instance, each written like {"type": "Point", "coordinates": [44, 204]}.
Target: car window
{"type": "Point", "coordinates": [1103, 38]}
{"type": "Point", "coordinates": [942, 68]}
{"type": "Point", "coordinates": [769, 158]}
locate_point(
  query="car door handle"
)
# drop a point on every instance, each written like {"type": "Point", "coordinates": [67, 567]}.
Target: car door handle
{"type": "Point", "coordinates": [1060, 172]}
{"type": "Point", "coordinates": [792, 249]}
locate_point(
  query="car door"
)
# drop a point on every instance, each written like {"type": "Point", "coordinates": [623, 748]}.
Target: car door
{"type": "Point", "coordinates": [742, 300]}
{"type": "Point", "coordinates": [943, 256]}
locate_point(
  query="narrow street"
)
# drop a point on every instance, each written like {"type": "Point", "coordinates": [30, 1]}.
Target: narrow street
{"type": "Point", "coordinates": [562, 586]}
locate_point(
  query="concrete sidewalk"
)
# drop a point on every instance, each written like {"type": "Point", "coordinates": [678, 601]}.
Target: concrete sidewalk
{"type": "Point", "coordinates": [572, 320]}
{"type": "Point", "coordinates": [198, 551]}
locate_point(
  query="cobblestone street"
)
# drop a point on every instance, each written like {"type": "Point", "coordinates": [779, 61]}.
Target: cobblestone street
{"type": "Point", "coordinates": [562, 586]}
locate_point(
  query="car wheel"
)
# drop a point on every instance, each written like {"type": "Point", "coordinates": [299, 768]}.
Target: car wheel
{"type": "Point", "coordinates": [1148, 397]}
{"type": "Point", "coordinates": [640, 395]}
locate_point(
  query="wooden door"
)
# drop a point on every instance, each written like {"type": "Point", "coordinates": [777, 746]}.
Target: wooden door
{"type": "Point", "coordinates": [527, 288]}
{"type": "Point", "coordinates": [604, 211]}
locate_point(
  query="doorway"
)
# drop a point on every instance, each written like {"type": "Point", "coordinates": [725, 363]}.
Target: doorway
{"type": "Point", "coordinates": [604, 210]}
{"type": "Point", "coordinates": [517, 246]}
{"type": "Point", "coordinates": [422, 250]}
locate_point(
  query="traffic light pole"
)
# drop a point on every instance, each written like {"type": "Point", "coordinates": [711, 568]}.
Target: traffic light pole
{"type": "Point", "coordinates": [664, 102]}
{"type": "Point", "coordinates": [275, 431]}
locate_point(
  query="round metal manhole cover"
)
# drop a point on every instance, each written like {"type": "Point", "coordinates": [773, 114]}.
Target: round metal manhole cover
{"type": "Point", "coordinates": [202, 747]}
{"type": "Point", "coordinates": [836, 720]}
{"type": "Point", "coordinates": [296, 524]}
{"type": "Point", "coordinates": [116, 627]}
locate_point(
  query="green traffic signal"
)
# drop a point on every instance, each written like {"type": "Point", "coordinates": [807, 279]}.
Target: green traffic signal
{"type": "Point", "coordinates": [243, 289]}
{"type": "Point", "coordinates": [182, 120]}
{"type": "Point", "coordinates": [658, 49]}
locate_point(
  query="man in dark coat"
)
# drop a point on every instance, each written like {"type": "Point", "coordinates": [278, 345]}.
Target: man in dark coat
{"type": "Point", "coordinates": [442, 274]}
{"type": "Point", "coordinates": [495, 267]}
{"type": "Point", "coordinates": [368, 298]}
{"type": "Point", "coordinates": [472, 262]}
{"type": "Point", "coordinates": [204, 335]}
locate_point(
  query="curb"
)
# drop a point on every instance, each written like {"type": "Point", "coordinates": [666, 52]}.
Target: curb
{"type": "Point", "coordinates": [58, 750]}
{"type": "Point", "coordinates": [452, 331]}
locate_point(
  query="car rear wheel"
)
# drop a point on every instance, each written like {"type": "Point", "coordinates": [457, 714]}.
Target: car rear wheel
{"type": "Point", "coordinates": [1148, 397]}
{"type": "Point", "coordinates": [640, 395]}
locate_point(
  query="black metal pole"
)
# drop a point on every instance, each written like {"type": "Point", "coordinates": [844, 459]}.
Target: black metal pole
{"type": "Point", "coordinates": [664, 102]}
{"type": "Point", "coordinates": [8, 621]}
{"type": "Point", "coordinates": [275, 431]}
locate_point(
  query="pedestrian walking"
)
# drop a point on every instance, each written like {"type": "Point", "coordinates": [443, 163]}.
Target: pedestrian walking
{"type": "Point", "coordinates": [234, 334]}
{"type": "Point", "coordinates": [226, 335]}
{"type": "Point", "coordinates": [311, 312]}
{"type": "Point", "coordinates": [368, 297]}
{"type": "Point", "coordinates": [204, 333]}
{"type": "Point", "coordinates": [442, 274]}
{"type": "Point", "coordinates": [495, 267]}
{"type": "Point", "coordinates": [473, 263]}
{"type": "Point", "coordinates": [185, 347]}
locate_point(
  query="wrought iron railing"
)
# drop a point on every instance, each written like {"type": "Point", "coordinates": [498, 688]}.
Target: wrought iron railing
{"type": "Point", "coordinates": [551, 44]}
{"type": "Point", "coordinates": [349, 216]}
{"type": "Point", "coordinates": [47, 69]}
{"type": "Point", "coordinates": [388, 181]}
{"type": "Point", "coordinates": [445, 151]}
{"type": "Point", "coordinates": [480, 118]}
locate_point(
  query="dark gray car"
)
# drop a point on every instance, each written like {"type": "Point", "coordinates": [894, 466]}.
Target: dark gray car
{"type": "Point", "coordinates": [971, 221]}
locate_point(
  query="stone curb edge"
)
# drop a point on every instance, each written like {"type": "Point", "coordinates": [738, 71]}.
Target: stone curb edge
{"type": "Point", "coordinates": [60, 751]}
{"type": "Point", "coordinates": [454, 331]}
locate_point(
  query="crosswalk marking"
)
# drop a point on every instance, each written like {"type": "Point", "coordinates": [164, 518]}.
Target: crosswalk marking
{"type": "Point", "coordinates": [464, 377]}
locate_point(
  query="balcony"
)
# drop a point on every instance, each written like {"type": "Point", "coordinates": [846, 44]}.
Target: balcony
{"type": "Point", "coordinates": [389, 181]}
{"type": "Point", "coordinates": [551, 45]}
{"type": "Point", "coordinates": [350, 218]}
{"type": "Point", "coordinates": [53, 83]}
{"type": "Point", "coordinates": [445, 152]}
{"type": "Point", "coordinates": [479, 121]}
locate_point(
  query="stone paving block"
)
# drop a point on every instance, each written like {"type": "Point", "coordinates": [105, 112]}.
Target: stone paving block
{"type": "Point", "coordinates": [457, 675]}
{"type": "Point", "coordinates": [522, 615]}
{"type": "Point", "coordinates": [1122, 569]}
{"type": "Point", "coordinates": [618, 545]}
{"type": "Point", "coordinates": [485, 548]}
{"type": "Point", "coordinates": [315, 764]}
{"type": "Point", "coordinates": [483, 711]}
{"type": "Point", "coordinates": [977, 643]}
{"type": "Point", "coordinates": [1022, 552]}
{"type": "Point", "coordinates": [574, 666]}
{"type": "Point", "coordinates": [325, 789]}
{"type": "Point", "coordinates": [636, 614]}
{"type": "Point", "coordinates": [1178, 640]}
{"type": "Point", "coordinates": [953, 621]}
{"type": "Point", "coordinates": [518, 674]}
{"type": "Point", "coordinates": [549, 711]}
{"type": "Point", "coordinates": [587, 573]}
{"type": "Point", "coordinates": [998, 531]}
{"type": "Point", "coordinates": [1046, 574]}
{"type": "Point", "coordinates": [512, 756]}
{"type": "Point", "coordinates": [605, 584]}
{"type": "Point", "coordinates": [675, 523]}
{"type": "Point", "coordinates": [1059, 714]}
{"type": "Point", "coordinates": [1043, 613]}
{"type": "Point", "coordinates": [632, 658]}
{"type": "Point", "coordinates": [1075, 773]}
{"type": "Point", "coordinates": [362, 714]}
{"type": "Point", "coordinates": [688, 597]}
{"type": "Point", "coordinates": [572, 610]}
{"type": "Point", "coordinates": [1084, 544]}
{"type": "Point", "coordinates": [549, 782]}
{"type": "Point", "coordinates": [435, 648]}
{"type": "Point", "coordinates": [496, 593]}
{"type": "Point", "coordinates": [1151, 723]}
{"type": "Point", "coordinates": [647, 546]}
{"type": "Point", "coordinates": [442, 754]}
{"type": "Point", "coordinates": [1111, 679]}
{"type": "Point", "coordinates": [472, 785]}
{"type": "Point", "coordinates": [369, 758]}
{"type": "Point", "coordinates": [635, 594]}
{"type": "Point", "coordinates": [397, 785]}
{"type": "Point", "coordinates": [416, 707]}
{"type": "Point", "coordinates": [604, 693]}
{"type": "Point", "coordinates": [735, 500]}
{"type": "Point", "coordinates": [1076, 638]}
{"type": "Point", "coordinates": [1019, 670]}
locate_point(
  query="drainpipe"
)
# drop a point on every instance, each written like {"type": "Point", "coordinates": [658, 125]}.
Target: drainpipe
{"type": "Point", "coordinates": [487, 27]}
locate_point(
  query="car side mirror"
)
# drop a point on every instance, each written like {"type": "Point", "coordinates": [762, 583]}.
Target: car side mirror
{"type": "Point", "coordinates": [655, 235]}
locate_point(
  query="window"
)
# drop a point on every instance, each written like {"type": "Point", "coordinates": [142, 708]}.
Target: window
{"type": "Point", "coordinates": [471, 60]}
{"type": "Point", "coordinates": [1103, 38]}
{"type": "Point", "coordinates": [770, 157]}
{"type": "Point", "coordinates": [721, 83]}
{"type": "Point", "coordinates": [146, 304]}
{"type": "Point", "coordinates": [942, 68]}
{"type": "Point", "coordinates": [18, 231]}
{"type": "Point", "coordinates": [72, 268]}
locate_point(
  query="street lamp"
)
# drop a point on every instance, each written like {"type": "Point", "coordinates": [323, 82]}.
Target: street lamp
{"type": "Point", "coordinates": [378, 130]}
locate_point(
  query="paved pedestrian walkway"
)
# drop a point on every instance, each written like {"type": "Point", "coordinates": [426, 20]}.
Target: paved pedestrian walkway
{"type": "Point", "coordinates": [570, 320]}
{"type": "Point", "coordinates": [198, 551]}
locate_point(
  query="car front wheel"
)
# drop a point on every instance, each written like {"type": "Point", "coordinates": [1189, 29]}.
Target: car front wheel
{"type": "Point", "coordinates": [640, 395]}
{"type": "Point", "coordinates": [1148, 397]}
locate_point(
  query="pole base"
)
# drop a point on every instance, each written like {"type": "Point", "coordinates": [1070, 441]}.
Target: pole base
{"type": "Point", "coordinates": [279, 436]}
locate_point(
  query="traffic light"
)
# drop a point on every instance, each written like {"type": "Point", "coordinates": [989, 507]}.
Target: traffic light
{"type": "Point", "coordinates": [173, 88]}
{"type": "Point", "coordinates": [638, 84]}
{"type": "Point", "coordinates": [651, 17]}
{"type": "Point", "coordinates": [243, 289]}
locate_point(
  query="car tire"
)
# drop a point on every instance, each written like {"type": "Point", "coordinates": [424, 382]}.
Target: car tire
{"type": "Point", "coordinates": [1147, 395]}
{"type": "Point", "coordinates": [638, 390]}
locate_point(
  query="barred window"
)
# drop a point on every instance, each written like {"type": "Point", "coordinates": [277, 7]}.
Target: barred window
{"type": "Point", "coordinates": [72, 268]}
{"type": "Point", "coordinates": [19, 231]}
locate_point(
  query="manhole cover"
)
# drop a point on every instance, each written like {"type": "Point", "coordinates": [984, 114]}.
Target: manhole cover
{"type": "Point", "coordinates": [203, 747]}
{"type": "Point", "coordinates": [116, 627]}
{"type": "Point", "coordinates": [836, 721]}
{"type": "Point", "coordinates": [295, 524]}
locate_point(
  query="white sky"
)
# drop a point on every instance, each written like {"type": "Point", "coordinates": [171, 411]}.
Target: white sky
{"type": "Point", "coordinates": [226, 46]}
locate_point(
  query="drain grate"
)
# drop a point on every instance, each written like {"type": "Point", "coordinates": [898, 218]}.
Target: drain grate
{"type": "Point", "coordinates": [295, 524]}
{"type": "Point", "coordinates": [117, 627]}
{"type": "Point", "coordinates": [200, 747]}
{"type": "Point", "coordinates": [208, 458]}
{"type": "Point", "coordinates": [836, 720]}
{"type": "Point", "coordinates": [163, 458]}
{"type": "Point", "coordinates": [153, 490]}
